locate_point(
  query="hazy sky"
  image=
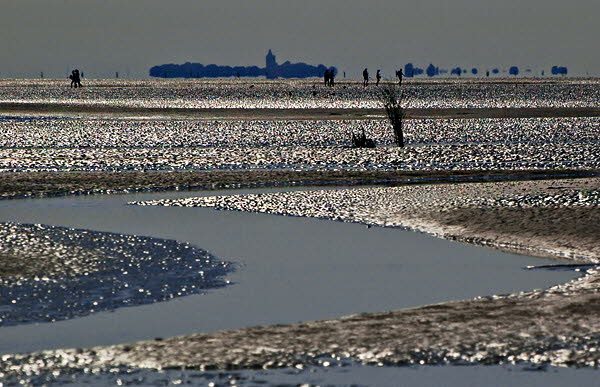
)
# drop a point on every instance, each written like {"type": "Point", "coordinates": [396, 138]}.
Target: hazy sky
{"type": "Point", "coordinates": [129, 36]}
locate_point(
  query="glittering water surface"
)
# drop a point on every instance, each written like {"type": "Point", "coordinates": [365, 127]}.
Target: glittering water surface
{"type": "Point", "coordinates": [328, 373]}
{"type": "Point", "coordinates": [62, 144]}
{"type": "Point", "coordinates": [84, 144]}
{"type": "Point", "coordinates": [258, 93]}
{"type": "Point", "coordinates": [97, 271]}
{"type": "Point", "coordinates": [61, 132]}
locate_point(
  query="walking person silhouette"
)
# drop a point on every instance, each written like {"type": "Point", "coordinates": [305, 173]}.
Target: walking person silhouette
{"type": "Point", "coordinates": [75, 78]}
{"type": "Point", "coordinates": [365, 77]}
{"type": "Point", "coordinates": [378, 76]}
{"type": "Point", "coordinates": [399, 74]}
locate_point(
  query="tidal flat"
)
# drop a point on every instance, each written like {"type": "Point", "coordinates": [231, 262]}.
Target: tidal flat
{"type": "Point", "coordinates": [551, 211]}
{"type": "Point", "coordinates": [75, 145]}
{"type": "Point", "coordinates": [306, 94]}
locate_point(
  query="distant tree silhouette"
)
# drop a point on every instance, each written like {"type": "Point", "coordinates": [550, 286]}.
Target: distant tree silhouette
{"type": "Point", "coordinates": [559, 70]}
{"type": "Point", "coordinates": [432, 71]}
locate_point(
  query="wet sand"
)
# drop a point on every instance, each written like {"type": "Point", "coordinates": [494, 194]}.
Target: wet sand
{"type": "Point", "coordinates": [7, 108]}
{"type": "Point", "coordinates": [41, 184]}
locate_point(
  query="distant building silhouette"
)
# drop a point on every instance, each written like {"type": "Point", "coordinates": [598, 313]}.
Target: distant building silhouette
{"type": "Point", "coordinates": [272, 70]}
{"type": "Point", "coordinates": [271, 66]}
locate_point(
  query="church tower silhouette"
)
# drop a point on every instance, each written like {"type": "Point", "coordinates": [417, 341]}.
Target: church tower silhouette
{"type": "Point", "coordinates": [271, 66]}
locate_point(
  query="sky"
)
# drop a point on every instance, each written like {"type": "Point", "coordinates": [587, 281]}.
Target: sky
{"type": "Point", "coordinates": [101, 37]}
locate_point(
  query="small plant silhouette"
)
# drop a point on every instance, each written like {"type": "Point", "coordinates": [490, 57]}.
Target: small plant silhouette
{"type": "Point", "coordinates": [361, 141]}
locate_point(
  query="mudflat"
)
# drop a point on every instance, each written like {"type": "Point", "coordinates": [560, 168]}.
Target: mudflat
{"type": "Point", "coordinates": [41, 184]}
{"type": "Point", "coordinates": [549, 206]}
{"type": "Point", "coordinates": [288, 114]}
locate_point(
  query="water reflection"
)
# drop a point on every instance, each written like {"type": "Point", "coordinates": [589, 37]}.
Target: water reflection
{"type": "Point", "coordinates": [71, 273]}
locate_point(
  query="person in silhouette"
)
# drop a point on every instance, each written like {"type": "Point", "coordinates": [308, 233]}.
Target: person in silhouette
{"type": "Point", "coordinates": [365, 77]}
{"type": "Point", "coordinates": [75, 78]}
{"type": "Point", "coordinates": [331, 77]}
{"type": "Point", "coordinates": [399, 74]}
{"type": "Point", "coordinates": [378, 77]}
{"type": "Point", "coordinates": [326, 77]}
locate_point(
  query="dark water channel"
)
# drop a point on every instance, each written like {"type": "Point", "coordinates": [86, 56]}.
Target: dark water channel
{"type": "Point", "coordinates": [290, 269]}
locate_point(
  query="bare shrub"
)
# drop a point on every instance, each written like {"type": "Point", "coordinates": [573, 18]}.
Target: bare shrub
{"type": "Point", "coordinates": [391, 96]}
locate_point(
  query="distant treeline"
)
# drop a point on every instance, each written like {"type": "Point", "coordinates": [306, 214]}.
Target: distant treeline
{"type": "Point", "coordinates": [198, 70]}
{"type": "Point", "coordinates": [432, 71]}
{"type": "Point", "coordinates": [271, 70]}
{"type": "Point", "coordinates": [274, 70]}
